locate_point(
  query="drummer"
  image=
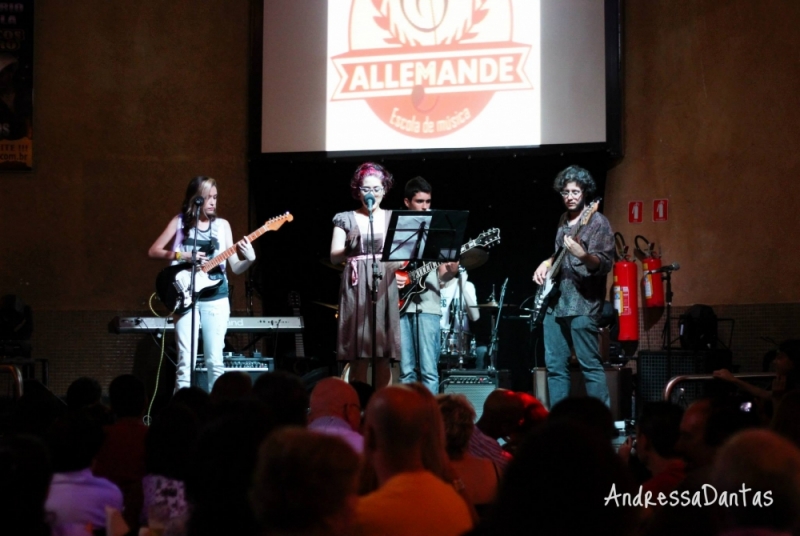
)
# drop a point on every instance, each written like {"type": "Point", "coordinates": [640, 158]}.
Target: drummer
{"type": "Point", "coordinates": [459, 306]}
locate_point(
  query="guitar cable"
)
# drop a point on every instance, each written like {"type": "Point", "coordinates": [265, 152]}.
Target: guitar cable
{"type": "Point", "coordinates": [147, 419]}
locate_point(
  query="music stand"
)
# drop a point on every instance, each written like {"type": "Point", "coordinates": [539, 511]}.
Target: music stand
{"type": "Point", "coordinates": [425, 235]}
{"type": "Point", "coordinates": [429, 235]}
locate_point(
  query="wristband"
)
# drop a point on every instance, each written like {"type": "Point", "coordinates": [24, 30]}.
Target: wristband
{"type": "Point", "coordinates": [548, 264]}
{"type": "Point", "coordinates": [178, 256]}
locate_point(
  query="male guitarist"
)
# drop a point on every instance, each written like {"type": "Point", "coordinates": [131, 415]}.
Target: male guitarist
{"type": "Point", "coordinates": [419, 323]}
{"type": "Point", "coordinates": [572, 313]}
{"type": "Point", "coordinates": [175, 244]}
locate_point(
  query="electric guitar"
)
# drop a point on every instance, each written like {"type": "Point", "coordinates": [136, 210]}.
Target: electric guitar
{"type": "Point", "coordinates": [549, 289]}
{"type": "Point", "coordinates": [173, 282]}
{"type": "Point", "coordinates": [416, 278]}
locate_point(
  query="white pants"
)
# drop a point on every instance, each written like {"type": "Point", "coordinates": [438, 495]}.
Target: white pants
{"type": "Point", "coordinates": [213, 317]}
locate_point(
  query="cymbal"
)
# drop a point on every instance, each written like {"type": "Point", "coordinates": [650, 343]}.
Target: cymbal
{"type": "Point", "coordinates": [474, 258]}
{"type": "Point", "coordinates": [493, 305]}
{"type": "Point", "coordinates": [327, 262]}
{"type": "Point", "coordinates": [328, 305]}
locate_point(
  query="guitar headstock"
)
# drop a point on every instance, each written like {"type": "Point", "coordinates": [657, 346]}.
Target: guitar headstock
{"type": "Point", "coordinates": [275, 223]}
{"type": "Point", "coordinates": [590, 209]}
{"type": "Point", "coordinates": [487, 238]}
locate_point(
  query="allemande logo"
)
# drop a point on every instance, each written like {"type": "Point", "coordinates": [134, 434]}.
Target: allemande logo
{"type": "Point", "coordinates": [428, 67]}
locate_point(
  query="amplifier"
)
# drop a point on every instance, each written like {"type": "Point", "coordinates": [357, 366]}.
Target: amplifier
{"type": "Point", "coordinates": [255, 366]}
{"type": "Point", "coordinates": [653, 377]}
{"type": "Point", "coordinates": [619, 381]}
{"type": "Point", "coordinates": [474, 384]}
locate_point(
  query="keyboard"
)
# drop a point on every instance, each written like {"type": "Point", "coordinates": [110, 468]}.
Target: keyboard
{"type": "Point", "coordinates": [236, 324]}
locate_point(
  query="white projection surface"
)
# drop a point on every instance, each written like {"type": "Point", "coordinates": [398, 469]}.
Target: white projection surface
{"type": "Point", "coordinates": [347, 76]}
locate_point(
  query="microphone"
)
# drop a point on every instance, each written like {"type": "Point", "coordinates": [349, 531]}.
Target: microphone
{"type": "Point", "coordinates": [369, 199]}
{"type": "Point", "coordinates": [199, 201]}
{"type": "Point", "coordinates": [674, 267]}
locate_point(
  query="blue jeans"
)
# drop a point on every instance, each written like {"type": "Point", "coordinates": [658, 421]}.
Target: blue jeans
{"type": "Point", "coordinates": [582, 334]}
{"type": "Point", "coordinates": [420, 336]}
{"type": "Point", "coordinates": [213, 318]}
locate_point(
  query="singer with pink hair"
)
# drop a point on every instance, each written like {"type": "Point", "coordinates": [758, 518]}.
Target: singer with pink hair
{"type": "Point", "coordinates": [350, 245]}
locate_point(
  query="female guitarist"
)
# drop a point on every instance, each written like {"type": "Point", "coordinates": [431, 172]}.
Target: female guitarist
{"type": "Point", "coordinates": [579, 280]}
{"type": "Point", "coordinates": [175, 244]}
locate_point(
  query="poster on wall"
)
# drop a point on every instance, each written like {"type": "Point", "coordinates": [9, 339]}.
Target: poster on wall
{"type": "Point", "coordinates": [16, 86]}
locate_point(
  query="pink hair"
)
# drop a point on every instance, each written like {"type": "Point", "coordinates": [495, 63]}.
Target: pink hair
{"type": "Point", "coordinates": [368, 169]}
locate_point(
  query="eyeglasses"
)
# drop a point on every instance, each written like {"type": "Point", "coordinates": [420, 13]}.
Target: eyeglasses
{"type": "Point", "coordinates": [570, 193]}
{"type": "Point", "coordinates": [375, 190]}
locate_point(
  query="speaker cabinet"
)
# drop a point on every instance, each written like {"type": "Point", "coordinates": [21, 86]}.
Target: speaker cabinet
{"type": "Point", "coordinates": [618, 379]}
{"type": "Point", "coordinates": [474, 384]}
{"type": "Point", "coordinates": [653, 376]}
{"type": "Point", "coordinates": [254, 366]}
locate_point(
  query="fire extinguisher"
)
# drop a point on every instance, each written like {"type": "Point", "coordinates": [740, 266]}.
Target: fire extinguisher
{"type": "Point", "coordinates": [625, 290]}
{"type": "Point", "coordinates": [652, 285]}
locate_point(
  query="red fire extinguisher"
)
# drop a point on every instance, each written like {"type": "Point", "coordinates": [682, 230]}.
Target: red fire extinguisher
{"type": "Point", "coordinates": [625, 290]}
{"type": "Point", "coordinates": [652, 285]}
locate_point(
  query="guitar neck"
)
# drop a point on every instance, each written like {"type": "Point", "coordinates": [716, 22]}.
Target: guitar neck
{"type": "Point", "coordinates": [219, 259]}
{"type": "Point", "coordinates": [426, 268]}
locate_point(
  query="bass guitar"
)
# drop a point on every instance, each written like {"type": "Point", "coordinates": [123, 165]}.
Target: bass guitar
{"type": "Point", "coordinates": [547, 291]}
{"type": "Point", "coordinates": [173, 282]}
{"type": "Point", "coordinates": [416, 278]}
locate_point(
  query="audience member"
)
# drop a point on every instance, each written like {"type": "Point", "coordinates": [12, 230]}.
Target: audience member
{"type": "Point", "coordinates": [785, 421]}
{"type": "Point", "coordinates": [657, 432]}
{"type": "Point", "coordinates": [787, 369]}
{"type": "Point", "coordinates": [77, 497]}
{"type": "Point", "coordinates": [230, 386]}
{"type": "Point", "coordinates": [305, 483]}
{"type": "Point", "coordinates": [502, 415]}
{"type": "Point", "coordinates": [196, 400]}
{"type": "Point", "coordinates": [284, 394]}
{"type": "Point", "coordinates": [25, 474]}
{"type": "Point", "coordinates": [336, 410]}
{"type": "Point", "coordinates": [221, 471]}
{"type": "Point", "coordinates": [751, 465]}
{"type": "Point", "coordinates": [480, 476]}
{"type": "Point", "coordinates": [121, 457]}
{"type": "Point", "coordinates": [559, 483]}
{"type": "Point", "coordinates": [534, 414]}
{"type": "Point", "coordinates": [410, 499]}
{"type": "Point", "coordinates": [170, 438]}
{"type": "Point", "coordinates": [82, 393]}
{"type": "Point", "coordinates": [587, 410]}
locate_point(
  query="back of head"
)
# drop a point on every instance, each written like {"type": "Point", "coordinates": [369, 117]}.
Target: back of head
{"type": "Point", "coordinates": [459, 422]}
{"type": "Point", "coordinates": [334, 397]}
{"type": "Point", "coordinates": [660, 422]}
{"type": "Point", "coordinates": [171, 436]}
{"type": "Point", "coordinates": [587, 410]}
{"type": "Point", "coordinates": [303, 479]}
{"type": "Point", "coordinates": [397, 419]}
{"type": "Point", "coordinates": [25, 474]}
{"type": "Point", "coordinates": [127, 396]}
{"type": "Point", "coordinates": [195, 399]}
{"type": "Point", "coordinates": [232, 385]}
{"type": "Point", "coordinates": [502, 413]}
{"type": "Point", "coordinates": [74, 440]}
{"type": "Point", "coordinates": [765, 464]}
{"type": "Point", "coordinates": [83, 392]}
{"type": "Point", "coordinates": [285, 395]}
{"type": "Point", "coordinates": [562, 466]}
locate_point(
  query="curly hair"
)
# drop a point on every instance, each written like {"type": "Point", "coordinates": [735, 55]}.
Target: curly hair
{"type": "Point", "coordinates": [368, 169]}
{"type": "Point", "coordinates": [579, 176]}
{"type": "Point", "coordinates": [459, 423]}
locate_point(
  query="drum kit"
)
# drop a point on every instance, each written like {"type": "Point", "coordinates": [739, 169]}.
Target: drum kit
{"type": "Point", "coordinates": [458, 347]}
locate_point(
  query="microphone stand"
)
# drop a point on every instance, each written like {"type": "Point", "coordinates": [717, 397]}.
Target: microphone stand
{"type": "Point", "coordinates": [667, 276]}
{"type": "Point", "coordinates": [193, 353]}
{"type": "Point", "coordinates": [493, 344]}
{"type": "Point", "coordinates": [376, 276]}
